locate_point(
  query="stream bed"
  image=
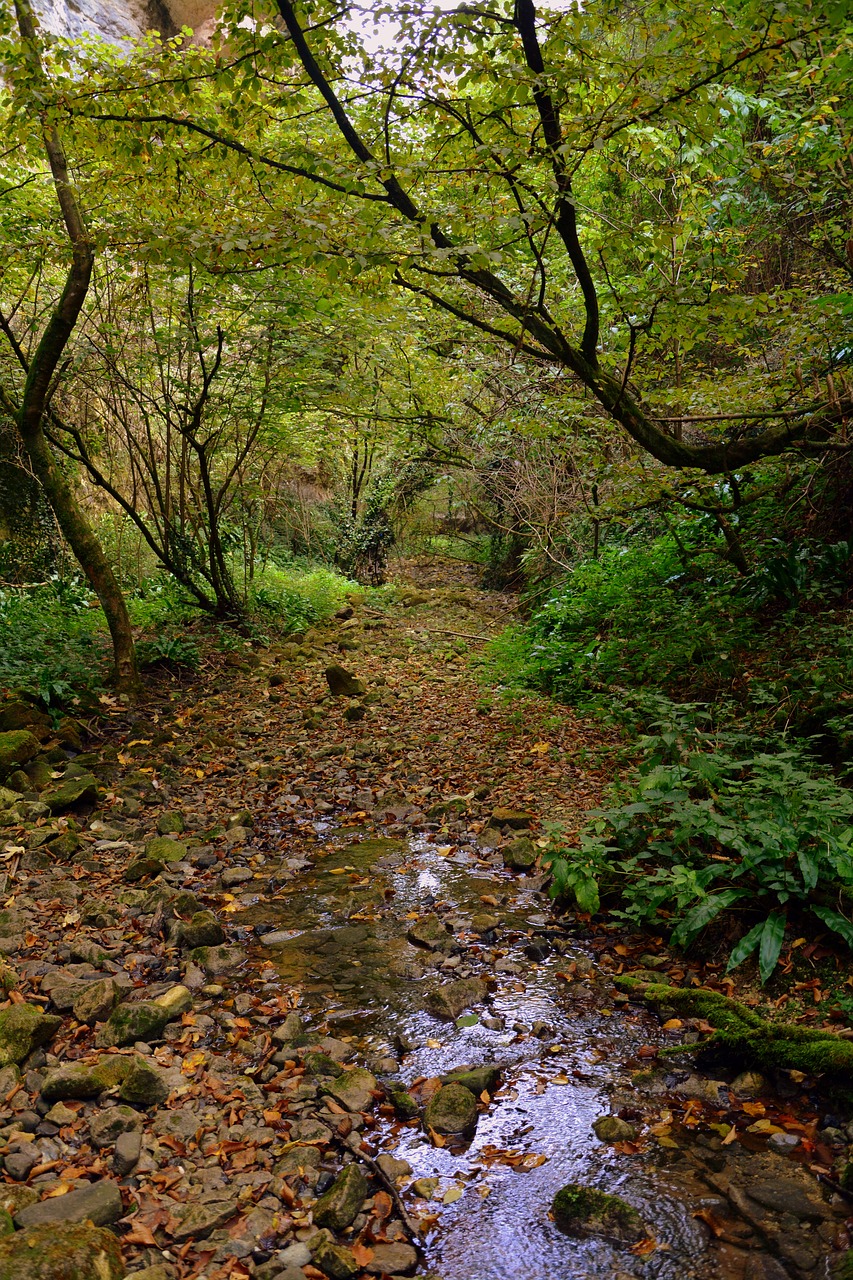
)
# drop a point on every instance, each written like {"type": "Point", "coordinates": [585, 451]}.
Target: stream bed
{"type": "Point", "coordinates": [570, 1050]}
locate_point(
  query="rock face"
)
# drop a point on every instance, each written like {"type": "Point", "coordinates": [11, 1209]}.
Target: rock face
{"type": "Point", "coordinates": [122, 20]}
{"type": "Point", "coordinates": [72, 1252]}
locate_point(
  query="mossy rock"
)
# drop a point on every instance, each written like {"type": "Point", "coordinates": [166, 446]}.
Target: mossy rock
{"type": "Point", "coordinates": [86, 1082]}
{"type": "Point", "coordinates": [23, 1028]}
{"type": "Point", "coordinates": [128, 1023]}
{"type": "Point", "coordinates": [71, 794]}
{"type": "Point", "coordinates": [56, 1252]}
{"type": "Point", "coordinates": [744, 1035]}
{"type": "Point", "coordinates": [64, 846]}
{"type": "Point", "coordinates": [585, 1211]}
{"type": "Point", "coordinates": [341, 1204]}
{"type": "Point", "coordinates": [21, 715]}
{"type": "Point", "coordinates": [451, 1111]}
{"type": "Point", "coordinates": [203, 930]}
{"type": "Point", "coordinates": [16, 748]}
{"type": "Point", "coordinates": [170, 822]}
{"type": "Point", "coordinates": [164, 849]}
{"type": "Point", "coordinates": [144, 1085]}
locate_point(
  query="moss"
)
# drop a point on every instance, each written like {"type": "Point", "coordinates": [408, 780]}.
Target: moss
{"type": "Point", "coordinates": [745, 1035]}
{"type": "Point", "coordinates": [23, 1028]}
{"type": "Point", "coordinates": [16, 748]}
{"type": "Point", "coordinates": [61, 1252]}
{"type": "Point", "coordinates": [582, 1211]}
{"type": "Point", "coordinates": [131, 1022]}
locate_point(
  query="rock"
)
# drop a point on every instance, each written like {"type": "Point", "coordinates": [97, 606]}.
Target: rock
{"type": "Point", "coordinates": [96, 1001]}
{"type": "Point", "coordinates": [165, 849]}
{"type": "Point", "coordinates": [170, 823]}
{"type": "Point", "coordinates": [393, 1168]}
{"type": "Point", "coordinates": [21, 715]}
{"type": "Point", "coordinates": [482, 922]}
{"type": "Point", "coordinates": [749, 1084]}
{"type": "Point", "coordinates": [128, 1023]}
{"type": "Point", "coordinates": [71, 794]}
{"type": "Point", "coordinates": [128, 1149]}
{"type": "Point", "coordinates": [479, 1080]}
{"type": "Point", "coordinates": [449, 807]}
{"type": "Point", "coordinates": [342, 684]}
{"type": "Point", "coordinates": [60, 1115]}
{"type": "Point", "coordinates": [56, 1251]}
{"type": "Point", "coordinates": [354, 1089]}
{"type": "Point", "coordinates": [341, 1204]}
{"type": "Point", "coordinates": [490, 837]}
{"type": "Point", "coordinates": [612, 1129]}
{"type": "Point", "coordinates": [23, 1028]}
{"type": "Point", "coordinates": [99, 1203]}
{"type": "Point", "coordinates": [106, 1126]}
{"type": "Point", "coordinates": [451, 1111]}
{"type": "Point", "coordinates": [318, 1064]}
{"type": "Point", "coordinates": [515, 818]}
{"type": "Point", "coordinates": [176, 1001]}
{"type": "Point", "coordinates": [392, 1259]}
{"type": "Point", "coordinates": [430, 932]}
{"type": "Point", "coordinates": [291, 1031]}
{"type": "Point", "coordinates": [86, 1082]}
{"type": "Point", "coordinates": [63, 847]}
{"type": "Point", "coordinates": [70, 733]}
{"type": "Point", "coordinates": [519, 855]}
{"type": "Point", "coordinates": [355, 711]}
{"type": "Point", "coordinates": [711, 1091]}
{"type": "Point", "coordinates": [333, 1260]}
{"type": "Point", "coordinates": [157, 1272]}
{"type": "Point", "coordinates": [144, 1085]}
{"type": "Point", "coordinates": [449, 1000]}
{"type": "Point", "coordinates": [17, 747]}
{"type": "Point", "coordinates": [198, 1220]}
{"type": "Point", "coordinates": [405, 1107]}
{"type": "Point", "coordinates": [20, 1164]}
{"type": "Point", "coordinates": [232, 876]}
{"type": "Point", "coordinates": [203, 930]}
{"type": "Point", "coordinates": [217, 960]}
{"type": "Point", "coordinates": [142, 869]}
{"type": "Point", "coordinates": [788, 1195]}
{"type": "Point", "coordinates": [584, 1211]}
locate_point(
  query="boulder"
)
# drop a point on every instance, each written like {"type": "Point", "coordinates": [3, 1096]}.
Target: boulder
{"type": "Point", "coordinates": [16, 748]}
{"type": "Point", "coordinates": [585, 1211]}
{"type": "Point", "coordinates": [21, 715]}
{"type": "Point", "coordinates": [98, 1202]}
{"type": "Point", "coordinates": [61, 1252]}
{"type": "Point", "coordinates": [84, 1082]}
{"type": "Point", "coordinates": [612, 1129]}
{"type": "Point", "coordinates": [451, 1111]}
{"type": "Point", "coordinates": [333, 1260]}
{"type": "Point", "coordinates": [515, 818]}
{"type": "Point", "coordinates": [128, 1023]}
{"type": "Point", "coordinates": [165, 849]}
{"type": "Point", "coordinates": [203, 930]}
{"type": "Point", "coordinates": [354, 1089]}
{"type": "Point", "coordinates": [96, 1001]}
{"type": "Point", "coordinates": [71, 793]}
{"type": "Point", "coordinates": [341, 1204]}
{"type": "Point", "coordinates": [448, 1001]}
{"type": "Point", "coordinates": [479, 1080]}
{"type": "Point", "coordinates": [342, 684]}
{"type": "Point", "coordinates": [23, 1028]}
{"type": "Point", "coordinates": [519, 854]}
{"type": "Point", "coordinates": [430, 932]}
{"type": "Point", "coordinates": [144, 1085]}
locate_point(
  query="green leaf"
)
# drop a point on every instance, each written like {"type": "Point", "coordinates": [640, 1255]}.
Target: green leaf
{"type": "Point", "coordinates": [586, 894]}
{"type": "Point", "coordinates": [809, 867]}
{"type": "Point", "coordinates": [702, 914]}
{"type": "Point", "coordinates": [467, 1020]}
{"type": "Point", "coordinates": [772, 937]}
{"type": "Point", "coordinates": [745, 947]}
{"type": "Point", "coordinates": [838, 923]}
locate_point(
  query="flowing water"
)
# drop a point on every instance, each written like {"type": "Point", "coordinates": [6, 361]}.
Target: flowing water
{"type": "Point", "coordinates": [568, 1055]}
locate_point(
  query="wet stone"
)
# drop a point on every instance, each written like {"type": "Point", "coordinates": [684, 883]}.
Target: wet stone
{"type": "Point", "coordinates": [392, 1259]}
{"type": "Point", "coordinates": [585, 1211]}
{"type": "Point", "coordinates": [340, 1205]}
{"type": "Point", "coordinates": [612, 1129]}
{"type": "Point", "coordinates": [451, 1111]}
{"type": "Point", "coordinates": [333, 1260]}
{"type": "Point", "coordinates": [354, 1089]}
{"type": "Point", "coordinates": [451, 999]}
{"type": "Point", "coordinates": [519, 854]}
{"type": "Point", "coordinates": [203, 930]}
{"type": "Point", "coordinates": [430, 932]}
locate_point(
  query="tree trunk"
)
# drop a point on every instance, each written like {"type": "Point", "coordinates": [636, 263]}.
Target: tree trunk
{"type": "Point", "coordinates": [29, 415]}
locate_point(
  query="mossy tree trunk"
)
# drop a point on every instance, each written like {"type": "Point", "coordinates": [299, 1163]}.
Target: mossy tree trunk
{"type": "Point", "coordinates": [29, 414]}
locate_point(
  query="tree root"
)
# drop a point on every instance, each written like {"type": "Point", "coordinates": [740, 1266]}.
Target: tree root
{"type": "Point", "coordinates": [741, 1032]}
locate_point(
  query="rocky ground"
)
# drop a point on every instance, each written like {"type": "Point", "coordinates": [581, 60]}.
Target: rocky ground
{"type": "Point", "coordinates": [174, 1102]}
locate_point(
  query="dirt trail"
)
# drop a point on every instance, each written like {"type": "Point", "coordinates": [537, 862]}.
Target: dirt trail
{"type": "Point", "coordinates": [336, 901]}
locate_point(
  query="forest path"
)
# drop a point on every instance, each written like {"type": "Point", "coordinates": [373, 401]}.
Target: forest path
{"type": "Point", "coordinates": [347, 892]}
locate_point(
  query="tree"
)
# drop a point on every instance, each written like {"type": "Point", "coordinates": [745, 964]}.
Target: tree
{"type": "Point", "coordinates": [30, 408]}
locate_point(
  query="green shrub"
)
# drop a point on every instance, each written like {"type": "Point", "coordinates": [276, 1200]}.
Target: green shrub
{"type": "Point", "coordinates": [703, 824]}
{"type": "Point", "coordinates": [298, 595]}
{"type": "Point", "coordinates": [54, 642]}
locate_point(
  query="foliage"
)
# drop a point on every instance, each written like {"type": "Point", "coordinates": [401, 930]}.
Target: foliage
{"type": "Point", "coordinates": [53, 642]}
{"type": "Point", "coordinates": [705, 823]}
{"type": "Point", "coordinates": [169, 651]}
{"type": "Point", "coordinates": [298, 594]}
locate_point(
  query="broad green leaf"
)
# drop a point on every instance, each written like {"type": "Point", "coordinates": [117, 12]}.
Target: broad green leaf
{"type": "Point", "coordinates": [838, 923]}
{"type": "Point", "coordinates": [702, 914]}
{"type": "Point", "coordinates": [772, 937]}
{"type": "Point", "coordinates": [745, 947]}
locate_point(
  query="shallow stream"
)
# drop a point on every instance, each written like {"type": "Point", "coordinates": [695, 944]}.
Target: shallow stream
{"type": "Point", "coordinates": [567, 1050]}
